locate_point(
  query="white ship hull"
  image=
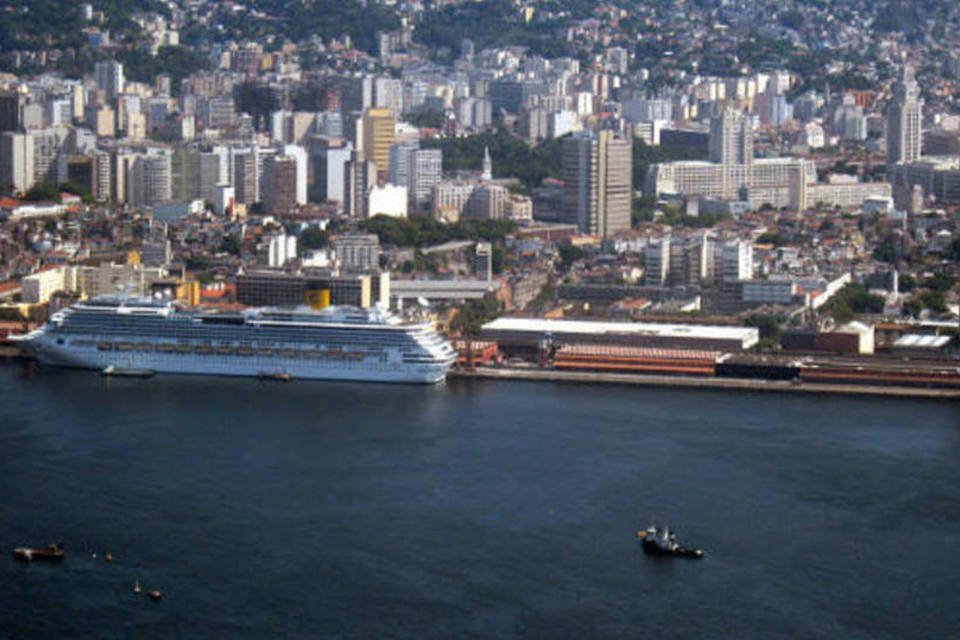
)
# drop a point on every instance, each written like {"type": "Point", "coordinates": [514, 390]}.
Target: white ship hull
{"type": "Point", "coordinates": [156, 336]}
{"type": "Point", "coordinates": [236, 365]}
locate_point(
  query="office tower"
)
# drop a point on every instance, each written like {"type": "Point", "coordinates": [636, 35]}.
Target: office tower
{"type": "Point", "coordinates": [16, 161]}
{"type": "Point", "coordinates": [356, 93]}
{"type": "Point", "coordinates": [426, 171]}
{"type": "Point", "coordinates": [359, 176]}
{"type": "Point", "coordinates": [80, 171]}
{"type": "Point", "coordinates": [47, 145]}
{"type": "Point", "coordinates": [245, 179]}
{"type": "Point", "coordinates": [688, 257]}
{"type": "Point", "coordinates": [357, 252]}
{"type": "Point", "coordinates": [209, 175]}
{"type": "Point", "coordinates": [904, 117]}
{"type": "Point", "coordinates": [328, 168]}
{"type": "Point", "coordinates": [657, 262]}
{"type": "Point", "coordinates": [483, 261]}
{"type": "Point", "coordinates": [149, 182]}
{"type": "Point", "coordinates": [109, 77]}
{"type": "Point", "coordinates": [597, 171]}
{"type": "Point", "coordinates": [731, 138]}
{"type": "Point", "coordinates": [378, 135]}
{"type": "Point", "coordinates": [11, 110]}
{"type": "Point", "coordinates": [400, 161]}
{"type": "Point", "coordinates": [279, 184]}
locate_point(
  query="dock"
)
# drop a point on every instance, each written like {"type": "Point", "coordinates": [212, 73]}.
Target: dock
{"type": "Point", "coordinates": [652, 380]}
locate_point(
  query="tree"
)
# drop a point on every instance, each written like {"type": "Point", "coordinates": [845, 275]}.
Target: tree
{"type": "Point", "coordinates": [314, 238]}
{"type": "Point", "coordinates": [768, 325]}
{"type": "Point", "coordinates": [885, 251]}
{"type": "Point", "coordinates": [510, 156]}
{"type": "Point", "coordinates": [907, 283]}
{"type": "Point", "coordinates": [474, 314]}
{"type": "Point", "coordinates": [935, 301]}
{"type": "Point", "coordinates": [912, 308]}
{"type": "Point", "coordinates": [853, 298]}
{"type": "Point", "coordinates": [231, 244]}
{"type": "Point", "coordinates": [45, 191]}
{"type": "Point", "coordinates": [569, 254]}
{"type": "Point", "coordinates": [772, 237]}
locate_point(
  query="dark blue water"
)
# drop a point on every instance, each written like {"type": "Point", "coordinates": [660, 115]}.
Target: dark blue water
{"type": "Point", "coordinates": [487, 510]}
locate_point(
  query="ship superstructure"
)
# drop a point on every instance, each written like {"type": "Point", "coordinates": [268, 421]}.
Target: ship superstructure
{"type": "Point", "coordinates": [337, 343]}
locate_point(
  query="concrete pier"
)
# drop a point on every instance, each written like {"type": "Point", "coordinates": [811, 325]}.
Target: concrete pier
{"type": "Point", "coordinates": [550, 375]}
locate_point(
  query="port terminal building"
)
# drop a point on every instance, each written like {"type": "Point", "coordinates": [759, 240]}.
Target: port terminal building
{"type": "Point", "coordinates": [523, 336]}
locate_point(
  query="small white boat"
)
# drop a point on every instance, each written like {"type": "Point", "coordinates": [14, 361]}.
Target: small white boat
{"type": "Point", "coordinates": [118, 372]}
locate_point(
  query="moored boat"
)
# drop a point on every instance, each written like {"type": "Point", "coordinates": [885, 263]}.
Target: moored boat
{"type": "Point", "coordinates": [112, 370]}
{"type": "Point", "coordinates": [276, 377]}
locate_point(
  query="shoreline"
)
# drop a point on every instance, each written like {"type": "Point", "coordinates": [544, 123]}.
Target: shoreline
{"type": "Point", "coordinates": [11, 354]}
{"type": "Point", "coordinates": [742, 384]}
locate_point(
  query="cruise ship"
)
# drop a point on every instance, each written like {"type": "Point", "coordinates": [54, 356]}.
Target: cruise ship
{"type": "Point", "coordinates": [150, 335]}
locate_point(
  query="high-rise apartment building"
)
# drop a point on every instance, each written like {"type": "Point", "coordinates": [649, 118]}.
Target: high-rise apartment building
{"type": "Point", "coordinates": [108, 75]}
{"type": "Point", "coordinates": [598, 173]}
{"type": "Point", "coordinates": [904, 117]}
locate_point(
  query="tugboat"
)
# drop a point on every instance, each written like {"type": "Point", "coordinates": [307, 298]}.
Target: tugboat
{"type": "Point", "coordinates": [663, 542]}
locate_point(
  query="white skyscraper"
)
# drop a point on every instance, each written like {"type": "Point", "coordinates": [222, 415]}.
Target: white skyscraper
{"type": "Point", "coordinates": [904, 117]}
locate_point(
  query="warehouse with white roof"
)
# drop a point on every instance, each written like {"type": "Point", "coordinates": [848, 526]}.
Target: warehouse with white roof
{"type": "Point", "coordinates": [526, 334]}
